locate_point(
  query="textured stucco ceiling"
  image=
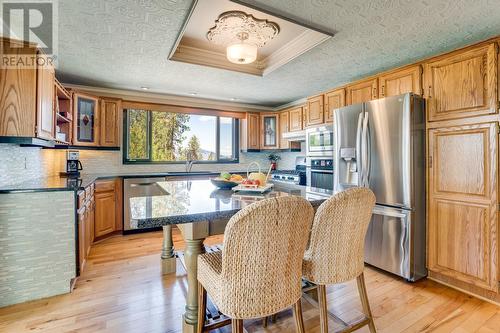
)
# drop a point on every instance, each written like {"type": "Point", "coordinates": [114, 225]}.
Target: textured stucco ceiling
{"type": "Point", "coordinates": [125, 44]}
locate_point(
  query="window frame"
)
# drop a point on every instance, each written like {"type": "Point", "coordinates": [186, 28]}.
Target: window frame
{"type": "Point", "coordinates": [126, 160]}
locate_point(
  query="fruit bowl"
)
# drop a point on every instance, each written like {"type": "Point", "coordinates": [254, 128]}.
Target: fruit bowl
{"type": "Point", "coordinates": [223, 184]}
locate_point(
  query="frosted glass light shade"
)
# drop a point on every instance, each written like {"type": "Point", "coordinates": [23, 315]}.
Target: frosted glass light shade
{"type": "Point", "coordinates": [241, 53]}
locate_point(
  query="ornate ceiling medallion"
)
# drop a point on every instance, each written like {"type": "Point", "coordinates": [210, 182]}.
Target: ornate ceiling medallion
{"type": "Point", "coordinates": [242, 34]}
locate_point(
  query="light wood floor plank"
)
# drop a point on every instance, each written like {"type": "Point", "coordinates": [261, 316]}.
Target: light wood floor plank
{"type": "Point", "coordinates": [122, 290]}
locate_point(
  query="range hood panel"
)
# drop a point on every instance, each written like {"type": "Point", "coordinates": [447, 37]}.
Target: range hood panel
{"type": "Point", "coordinates": [294, 136]}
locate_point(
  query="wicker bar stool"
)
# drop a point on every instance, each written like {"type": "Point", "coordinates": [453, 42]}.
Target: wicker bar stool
{"type": "Point", "coordinates": [258, 272]}
{"type": "Point", "coordinates": [336, 248]}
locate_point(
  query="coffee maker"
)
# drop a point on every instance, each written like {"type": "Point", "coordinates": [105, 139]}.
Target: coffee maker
{"type": "Point", "coordinates": [73, 164]}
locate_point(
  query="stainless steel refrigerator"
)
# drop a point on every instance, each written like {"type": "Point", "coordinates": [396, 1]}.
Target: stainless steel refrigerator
{"type": "Point", "coordinates": [381, 145]}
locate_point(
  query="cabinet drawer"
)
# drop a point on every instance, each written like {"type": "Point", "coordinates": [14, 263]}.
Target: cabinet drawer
{"type": "Point", "coordinates": [81, 199]}
{"type": "Point", "coordinates": [105, 185]}
{"type": "Point", "coordinates": [89, 192]}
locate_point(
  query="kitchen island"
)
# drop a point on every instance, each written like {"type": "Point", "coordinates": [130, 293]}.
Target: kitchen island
{"type": "Point", "coordinates": [200, 210]}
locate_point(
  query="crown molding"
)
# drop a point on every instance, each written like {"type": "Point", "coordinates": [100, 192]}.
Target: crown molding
{"type": "Point", "coordinates": [293, 49]}
{"type": "Point", "coordinates": [198, 55]}
{"type": "Point", "coordinates": [298, 102]}
{"type": "Point", "coordinates": [169, 99]}
{"type": "Point", "coordinates": [202, 56]}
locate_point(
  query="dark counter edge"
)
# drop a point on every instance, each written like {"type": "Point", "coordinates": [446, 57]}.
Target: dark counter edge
{"type": "Point", "coordinates": [89, 179]}
{"type": "Point", "coordinates": [199, 217]}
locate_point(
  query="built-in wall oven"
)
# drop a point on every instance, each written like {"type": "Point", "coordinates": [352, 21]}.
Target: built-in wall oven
{"type": "Point", "coordinates": [319, 141]}
{"type": "Point", "coordinates": [320, 172]}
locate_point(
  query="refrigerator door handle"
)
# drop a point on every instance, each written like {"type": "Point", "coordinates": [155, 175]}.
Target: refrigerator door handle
{"type": "Point", "coordinates": [366, 150]}
{"type": "Point", "coordinates": [358, 149]}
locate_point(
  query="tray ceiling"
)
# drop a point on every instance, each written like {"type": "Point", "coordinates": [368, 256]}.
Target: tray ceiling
{"type": "Point", "coordinates": [193, 46]}
{"type": "Point", "coordinates": [125, 44]}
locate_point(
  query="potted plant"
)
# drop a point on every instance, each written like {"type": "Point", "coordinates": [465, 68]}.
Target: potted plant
{"type": "Point", "coordinates": [273, 158]}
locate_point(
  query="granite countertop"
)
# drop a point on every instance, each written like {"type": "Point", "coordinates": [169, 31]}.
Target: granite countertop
{"type": "Point", "coordinates": [198, 200]}
{"type": "Point", "coordinates": [63, 183]}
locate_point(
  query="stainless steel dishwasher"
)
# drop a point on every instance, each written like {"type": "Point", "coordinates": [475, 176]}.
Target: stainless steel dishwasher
{"type": "Point", "coordinates": [138, 187]}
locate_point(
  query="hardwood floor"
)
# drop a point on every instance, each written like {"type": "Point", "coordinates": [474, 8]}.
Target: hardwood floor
{"type": "Point", "coordinates": [122, 291]}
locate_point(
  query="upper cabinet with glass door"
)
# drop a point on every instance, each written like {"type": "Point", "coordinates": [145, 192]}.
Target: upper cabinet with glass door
{"type": "Point", "coordinates": [269, 125]}
{"type": "Point", "coordinates": [86, 120]}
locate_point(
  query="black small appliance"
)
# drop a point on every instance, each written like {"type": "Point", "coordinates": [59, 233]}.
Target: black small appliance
{"type": "Point", "coordinates": [73, 164]}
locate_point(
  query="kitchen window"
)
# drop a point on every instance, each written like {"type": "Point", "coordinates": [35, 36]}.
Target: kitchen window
{"type": "Point", "coordinates": [169, 137]}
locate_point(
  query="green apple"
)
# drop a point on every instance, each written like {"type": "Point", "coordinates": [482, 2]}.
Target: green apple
{"type": "Point", "coordinates": [225, 175]}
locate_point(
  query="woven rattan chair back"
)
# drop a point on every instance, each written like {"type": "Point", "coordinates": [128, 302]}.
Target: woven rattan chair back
{"type": "Point", "coordinates": [262, 256]}
{"type": "Point", "coordinates": [336, 249]}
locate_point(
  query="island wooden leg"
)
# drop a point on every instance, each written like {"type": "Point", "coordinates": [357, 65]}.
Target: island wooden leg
{"type": "Point", "coordinates": [194, 247]}
{"type": "Point", "coordinates": [168, 259]}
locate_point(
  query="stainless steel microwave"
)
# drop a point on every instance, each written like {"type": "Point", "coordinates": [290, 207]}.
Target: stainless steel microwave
{"type": "Point", "coordinates": [319, 141]}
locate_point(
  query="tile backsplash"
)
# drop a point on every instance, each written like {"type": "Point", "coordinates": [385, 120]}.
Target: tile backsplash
{"type": "Point", "coordinates": [19, 164]}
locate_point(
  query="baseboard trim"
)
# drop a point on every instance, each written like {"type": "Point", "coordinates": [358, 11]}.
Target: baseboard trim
{"type": "Point", "coordinates": [464, 291]}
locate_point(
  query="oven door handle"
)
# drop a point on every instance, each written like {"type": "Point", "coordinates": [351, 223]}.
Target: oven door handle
{"type": "Point", "coordinates": [321, 171]}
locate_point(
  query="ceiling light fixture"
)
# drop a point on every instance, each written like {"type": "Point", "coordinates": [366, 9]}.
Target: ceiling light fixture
{"type": "Point", "coordinates": [241, 53]}
{"type": "Point", "coordinates": [145, 88]}
{"type": "Point", "coordinates": [242, 35]}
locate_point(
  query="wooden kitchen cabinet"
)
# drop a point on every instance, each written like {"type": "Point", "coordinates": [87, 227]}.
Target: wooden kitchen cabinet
{"type": "Point", "coordinates": [314, 113]}
{"type": "Point", "coordinates": [362, 91]}
{"type": "Point", "coordinates": [462, 205]}
{"type": "Point", "coordinates": [26, 93]}
{"type": "Point", "coordinates": [400, 82]}
{"type": "Point", "coordinates": [250, 132]}
{"type": "Point", "coordinates": [295, 119]}
{"type": "Point", "coordinates": [82, 228]}
{"type": "Point", "coordinates": [284, 127]}
{"type": "Point", "coordinates": [105, 213]}
{"type": "Point", "coordinates": [85, 213]}
{"type": "Point", "coordinates": [333, 100]}
{"type": "Point", "coordinates": [85, 120]}
{"type": "Point", "coordinates": [109, 122]}
{"type": "Point", "coordinates": [270, 130]}
{"type": "Point", "coordinates": [108, 207]}
{"type": "Point", "coordinates": [462, 84]}
{"type": "Point", "coordinates": [45, 111]}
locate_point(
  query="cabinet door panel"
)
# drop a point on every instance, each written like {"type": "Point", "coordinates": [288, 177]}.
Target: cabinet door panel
{"type": "Point", "coordinates": [314, 111]}
{"type": "Point", "coordinates": [284, 127]}
{"type": "Point", "coordinates": [362, 91]}
{"type": "Point", "coordinates": [85, 120]}
{"type": "Point", "coordinates": [270, 130]}
{"type": "Point", "coordinates": [105, 213]}
{"type": "Point", "coordinates": [17, 94]}
{"type": "Point", "coordinates": [401, 82]}
{"type": "Point", "coordinates": [253, 131]}
{"type": "Point", "coordinates": [295, 119]}
{"type": "Point", "coordinates": [462, 219]}
{"type": "Point", "coordinates": [109, 123]}
{"type": "Point", "coordinates": [462, 224]}
{"type": "Point", "coordinates": [45, 100]}
{"type": "Point", "coordinates": [82, 228]}
{"type": "Point", "coordinates": [333, 100]}
{"type": "Point", "coordinates": [462, 85]}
